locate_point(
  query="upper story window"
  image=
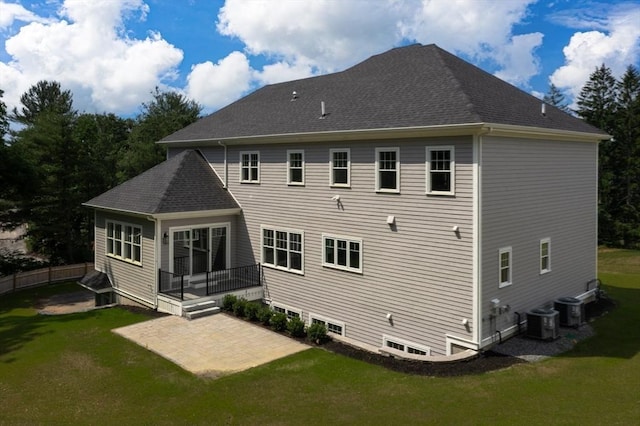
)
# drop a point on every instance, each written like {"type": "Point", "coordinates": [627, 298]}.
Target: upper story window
{"type": "Point", "coordinates": [340, 164]}
{"type": "Point", "coordinates": [295, 167]}
{"type": "Point", "coordinates": [388, 169]}
{"type": "Point", "coordinates": [282, 249]}
{"type": "Point", "coordinates": [505, 266]}
{"type": "Point", "coordinates": [124, 242]}
{"type": "Point", "coordinates": [342, 253]}
{"type": "Point", "coordinates": [441, 170]}
{"type": "Point", "coordinates": [250, 167]}
{"type": "Point", "coordinates": [545, 255]}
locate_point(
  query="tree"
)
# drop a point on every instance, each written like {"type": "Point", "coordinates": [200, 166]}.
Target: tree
{"type": "Point", "coordinates": [556, 98]}
{"type": "Point", "coordinates": [4, 119]}
{"type": "Point", "coordinates": [41, 97]}
{"type": "Point", "coordinates": [165, 114]}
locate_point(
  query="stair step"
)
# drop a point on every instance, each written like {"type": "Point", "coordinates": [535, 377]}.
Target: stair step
{"type": "Point", "coordinates": [202, 312]}
{"type": "Point", "coordinates": [199, 306]}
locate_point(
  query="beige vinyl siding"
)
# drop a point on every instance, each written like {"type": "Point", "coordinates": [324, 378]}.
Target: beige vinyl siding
{"type": "Point", "coordinates": [419, 270]}
{"type": "Point", "coordinates": [531, 190]}
{"type": "Point", "coordinates": [130, 280]}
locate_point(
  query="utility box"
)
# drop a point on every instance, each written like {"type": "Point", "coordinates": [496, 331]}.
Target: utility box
{"type": "Point", "coordinates": [543, 324]}
{"type": "Point", "coordinates": [571, 311]}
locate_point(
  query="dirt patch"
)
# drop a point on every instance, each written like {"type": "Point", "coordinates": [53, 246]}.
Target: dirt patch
{"type": "Point", "coordinates": [67, 303]}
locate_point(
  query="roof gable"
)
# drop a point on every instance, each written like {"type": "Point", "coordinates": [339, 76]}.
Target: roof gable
{"type": "Point", "coordinates": [413, 86]}
{"type": "Point", "coordinates": [183, 183]}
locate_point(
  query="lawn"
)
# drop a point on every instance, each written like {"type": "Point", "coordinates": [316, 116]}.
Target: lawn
{"type": "Point", "coordinates": [71, 369]}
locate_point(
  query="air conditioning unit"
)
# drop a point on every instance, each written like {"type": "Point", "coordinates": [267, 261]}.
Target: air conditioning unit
{"type": "Point", "coordinates": [543, 324]}
{"type": "Point", "coordinates": [571, 311]}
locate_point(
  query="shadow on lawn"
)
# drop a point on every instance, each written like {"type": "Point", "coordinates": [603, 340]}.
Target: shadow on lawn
{"type": "Point", "coordinates": [616, 326]}
{"type": "Point", "coordinates": [19, 321]}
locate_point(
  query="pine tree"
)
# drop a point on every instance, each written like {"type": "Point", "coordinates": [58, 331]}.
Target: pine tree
{"type": "Point", "coordinates": [557, 99]}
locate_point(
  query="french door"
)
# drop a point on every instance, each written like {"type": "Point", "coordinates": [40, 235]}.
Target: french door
{"type": "Point", "coordinates": [197, 250]}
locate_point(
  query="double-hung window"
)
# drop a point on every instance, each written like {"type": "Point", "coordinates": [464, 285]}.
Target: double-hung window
{"type": "Point", "coordinates": [388, 169]}
{"type": "Point", "coordinates": [282, 249]}
{"type": "Point", "coordinates": [505, 266]}
{"type": "Point", "coordinates": [124, 241]}
{"type": "Point", "coordinates": [295, 167]}
{"type": "Point", "coordinates": [545, 255]}
{"type": "Point", "coordinates": [342, 253]}
{"type": "Point", "coordinates": [340, 165]}
{"type": "Point", "coordinates": [250, 167]}
{"type": "Point", "coordinates": [441, 167]}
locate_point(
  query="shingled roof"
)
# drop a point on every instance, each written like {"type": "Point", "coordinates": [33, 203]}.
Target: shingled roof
{"type": "Point", "coordinates": [184, 183]}
{"type": "Point", "coordinates": [413, 86]}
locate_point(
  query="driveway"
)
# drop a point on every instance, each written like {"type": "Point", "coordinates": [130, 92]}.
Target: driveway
{"type": "Point", "coordinates": [213, 346]}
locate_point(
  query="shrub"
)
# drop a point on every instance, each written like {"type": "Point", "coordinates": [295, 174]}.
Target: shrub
{"type": "Point", "coordinates": [240, 307]}
{"type": "Point", "coordinates": [317, 332]}
{"type": "Point", "coordinates": [279, 321]}
{"type": "Point", "coordinates": [264, 315]}
{"type": "Point", "coordinates": [228, 302]}
{"type": "Point", "coordinates": [251, 311]}
{"type": "Point", "coordinates": [295, 327]}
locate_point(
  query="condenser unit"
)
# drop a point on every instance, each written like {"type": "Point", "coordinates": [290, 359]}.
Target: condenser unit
{"type": "Point", "coordinates": [571, 311]}
{"type": "Point", "coordinates": [543, 324]}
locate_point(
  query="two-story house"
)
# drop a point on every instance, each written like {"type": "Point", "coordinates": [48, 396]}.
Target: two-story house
{"type": "Point", "coordinates": [413, 203]}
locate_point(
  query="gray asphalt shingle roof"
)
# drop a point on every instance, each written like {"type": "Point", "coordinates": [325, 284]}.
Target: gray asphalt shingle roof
{"type": "Point", "coordinates": [184, 183]}
{"type": "Point", "coordinates": [410, 86]}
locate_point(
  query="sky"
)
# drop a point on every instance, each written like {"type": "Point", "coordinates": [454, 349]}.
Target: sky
{"type": "Point", "coordinates": [111, 54]}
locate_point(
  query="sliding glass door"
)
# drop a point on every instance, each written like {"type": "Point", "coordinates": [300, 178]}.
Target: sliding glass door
{"type": "Point", "coordinates": [198, 250]}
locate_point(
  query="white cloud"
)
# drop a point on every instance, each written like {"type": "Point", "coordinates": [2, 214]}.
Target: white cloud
{"type": "Point", "coordinates": [10, 12]}
{"type": "Point", "coordinates": [87, 51]}
{"type": "Point", "coordinates": [215, 85]}
{"type": "Point", "coordinates": [518, 62]}
{"type": "Point", "coordinates": [616, 48]}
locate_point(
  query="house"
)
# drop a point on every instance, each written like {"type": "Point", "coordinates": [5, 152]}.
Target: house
{"type": "Point", "coordinates": [413, 203]}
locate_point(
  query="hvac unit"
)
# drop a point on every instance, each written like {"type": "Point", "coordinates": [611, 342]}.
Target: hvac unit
{"type": "Point", "coordinates": [571, 311]}
{"type": "Point", "coordinates": [543, 324]}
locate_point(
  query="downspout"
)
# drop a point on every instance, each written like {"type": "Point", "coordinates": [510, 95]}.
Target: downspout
{"type": "Point", "coordinates": [158, 257]}
{"type": "Point", "coordinates": [224, 184]}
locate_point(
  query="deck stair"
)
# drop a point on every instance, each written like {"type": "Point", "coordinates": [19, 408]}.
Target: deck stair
{"type": "Point", "coordinates": [200, 309]}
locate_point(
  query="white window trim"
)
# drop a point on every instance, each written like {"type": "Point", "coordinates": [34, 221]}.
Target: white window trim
{"type": "Point", "coordinates": [452, 171]}
{"type": "Point", "coordinates": [121, 240]}
{"type": "Point", "coordinates": [288, 309]}
{"type": "Point", "coordinates": [249, 153]}
{"type": "Point", "coordinates": [510, 280]}
{"type": "Point", "coordinates": [289, 181]}
{"type": "Point", "coordinates": [407, 344]}
{"type": "Point", "coordinates": [548, 242]}
{"type": "Point", "coordinates": [335, 265]}
{"type": "Point", "coordinates": [276, 229]}
{"type": "Point", "coordinates": [331, 181]}
{"type": "Point", "coordinates": [328, 321]}
{"type": "Point", "coordinates": [387, 190]}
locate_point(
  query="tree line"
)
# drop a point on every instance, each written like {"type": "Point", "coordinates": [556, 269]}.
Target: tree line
{"type": "Point", "coordinates": [59, 158]}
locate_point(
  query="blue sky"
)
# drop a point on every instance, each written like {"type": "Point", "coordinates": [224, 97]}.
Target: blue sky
{"type": "Point", "coordinates": [112, 53]}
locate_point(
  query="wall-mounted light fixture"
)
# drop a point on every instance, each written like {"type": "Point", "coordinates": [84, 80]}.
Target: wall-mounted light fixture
{"type": "Point", "coordinates": [391, 220]}
{"type": "Point", "coordinates": [165, 238]}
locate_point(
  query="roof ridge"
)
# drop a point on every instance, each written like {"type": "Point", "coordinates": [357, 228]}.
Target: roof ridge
{"type": "Point", "coordinates": [165, 193]}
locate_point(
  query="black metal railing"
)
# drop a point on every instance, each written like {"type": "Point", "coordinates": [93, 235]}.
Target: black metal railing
{"type": "Point", "coordinates": [171, 284]}
{"type": "Point", "coordinates": [234, 279]}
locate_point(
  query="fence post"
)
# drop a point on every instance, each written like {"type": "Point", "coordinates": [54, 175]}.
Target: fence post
{"type": "Point", "coordinates": [181, 287]}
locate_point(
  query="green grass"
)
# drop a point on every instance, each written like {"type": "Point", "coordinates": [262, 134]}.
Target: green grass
{"type": "Point", "coordinates": [72, 369]}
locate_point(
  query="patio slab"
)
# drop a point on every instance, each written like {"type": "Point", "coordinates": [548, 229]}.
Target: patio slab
{"type": "Point", "coordinates": [213, 346]}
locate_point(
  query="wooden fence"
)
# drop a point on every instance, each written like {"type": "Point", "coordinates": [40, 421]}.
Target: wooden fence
{"type": "Point", "coordinates": [43, 276]}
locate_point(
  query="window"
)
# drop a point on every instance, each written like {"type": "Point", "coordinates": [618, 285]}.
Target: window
{"type": "Point", "coordinates": [340, 164]}
{"type": "Point", "coordinates": [295, 167]}
{"type": "Point", "coordinates": [388, 169]}
{"type": "Point", "coordinates": [505, 267]}
{"type": "Point", "coordinates": [289, 311]}
{"type": "Point", "coordinates": [250, 167]}
{"type": "Point", "coordinates": [405, 346]}
{"type": "Point", "coordinates": [545, 255]}
{"type": "Point", "coordinates": [342, 253]}
{"type": "Point", "coordinates": [282, 249]}
{"type": "Point", "coordinates": [124, 241]}
{"type": "Point", "coordinates": [334, 327]}
{"type": "Point", "coordinates": [441, 170]}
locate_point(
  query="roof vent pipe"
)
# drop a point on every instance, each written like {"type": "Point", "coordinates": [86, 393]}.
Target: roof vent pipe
{"type": "Point", "coordinates": [323, 112]}
{"type": "Point", "coordinates": [543, 110]}
{"type": "Point", "coordinates": [294, 95]}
